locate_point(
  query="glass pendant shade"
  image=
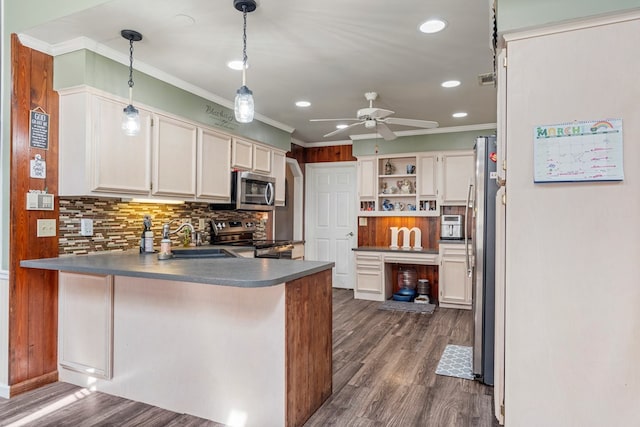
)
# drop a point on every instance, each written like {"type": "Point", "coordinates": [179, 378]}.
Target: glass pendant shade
{"type": "Point", "coordinates": [243, 106]}
{"type": "Point", "coordinates": [131, 120]}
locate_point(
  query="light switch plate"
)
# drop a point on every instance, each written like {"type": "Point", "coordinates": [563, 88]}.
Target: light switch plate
{"type": "Point", "coordinates": [86, 227]}
{"type": "Point", "coordinates": [201, 224]}
{"type": "Point", "coordinates": [362, 221]}
{"type": "Point", "coordinates": [46, 228]}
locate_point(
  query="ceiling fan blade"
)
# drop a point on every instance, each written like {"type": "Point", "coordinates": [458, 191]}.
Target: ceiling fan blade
{"type": "Point", "coordinates": [332, 120]}
{"type": "Point", "coordinates": [411, 122]}
{"type": "Point", "coordinates": [385, 132]}
{"type": "Point", "coordinates": [337, 131]}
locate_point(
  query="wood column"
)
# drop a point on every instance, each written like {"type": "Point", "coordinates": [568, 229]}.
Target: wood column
{"type": "Point", "coordinates": [308, 345]}
{"type": "Point", "coordinates": [33, 294]}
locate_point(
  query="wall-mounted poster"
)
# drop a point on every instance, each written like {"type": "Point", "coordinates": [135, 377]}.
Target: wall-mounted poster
{"type": "Point", "coordinates": [39, 129]}
{"type": "Point", "coordinates": [578, 151]}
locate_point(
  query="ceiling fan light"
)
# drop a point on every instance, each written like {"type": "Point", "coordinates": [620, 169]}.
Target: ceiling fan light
{"type": "Point", "coordinates": [341, 126]}
{"type": "Point", "coordinates": [243, 107]}
{"type": "Point", "coordinates": [433, 26]}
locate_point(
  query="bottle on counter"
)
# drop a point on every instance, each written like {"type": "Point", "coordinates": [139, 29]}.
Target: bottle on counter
{"type": "Point", "coordinates": [146, 240]}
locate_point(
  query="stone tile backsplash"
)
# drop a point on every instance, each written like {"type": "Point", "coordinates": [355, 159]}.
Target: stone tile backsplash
{"type": "Point", "coordinates": [117, 225]}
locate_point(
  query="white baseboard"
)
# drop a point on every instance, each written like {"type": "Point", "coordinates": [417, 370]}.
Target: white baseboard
{"type": "Point", "coordinates": [4, 391]}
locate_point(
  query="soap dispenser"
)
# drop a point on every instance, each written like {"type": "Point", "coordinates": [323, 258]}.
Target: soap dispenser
{"type": "Point", "coordinates": [165, 244]}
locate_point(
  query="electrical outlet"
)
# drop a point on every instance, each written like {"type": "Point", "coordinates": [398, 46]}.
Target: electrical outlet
{"type": "Point", "coordinates": [46, 228]}
{"type": "Point", "coordinates": [201, 224]}
{"type": "Point", "coordinates": [86, 227]}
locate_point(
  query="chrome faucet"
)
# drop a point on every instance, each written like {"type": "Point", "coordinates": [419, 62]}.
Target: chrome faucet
{"type": "Point", "coordinates": [166, 232]}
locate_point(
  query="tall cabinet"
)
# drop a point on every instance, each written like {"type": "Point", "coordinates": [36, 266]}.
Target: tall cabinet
{"type": "Point", "coordinates": [561, 240]}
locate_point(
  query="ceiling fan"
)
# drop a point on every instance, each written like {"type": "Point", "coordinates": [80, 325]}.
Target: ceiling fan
{"type": "Point", "coordinates": [377, 119]}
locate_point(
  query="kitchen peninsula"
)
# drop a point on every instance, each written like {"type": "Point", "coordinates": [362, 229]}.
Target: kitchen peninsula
{"type": "Point", "coordinates": [238, 341]}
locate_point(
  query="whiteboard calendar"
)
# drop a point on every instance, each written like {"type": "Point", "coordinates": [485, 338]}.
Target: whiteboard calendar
{"type": "Point", "coordinates": [578, 151]}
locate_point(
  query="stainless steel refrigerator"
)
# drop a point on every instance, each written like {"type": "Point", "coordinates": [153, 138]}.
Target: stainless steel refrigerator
{"type": "Point", "coordinates": [481, 250]}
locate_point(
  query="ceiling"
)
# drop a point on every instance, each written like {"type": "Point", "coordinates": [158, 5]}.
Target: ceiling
{"type": "Point", "coordinates": [328, 52]}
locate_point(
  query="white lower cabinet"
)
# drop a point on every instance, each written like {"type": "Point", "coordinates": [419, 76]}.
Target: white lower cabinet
{"type": "Point", "coordinates": [453, 281]}
{"type": "Point", "coordinates": [85, 323]}
{"type": "Point", "coordinates": [369, 276]}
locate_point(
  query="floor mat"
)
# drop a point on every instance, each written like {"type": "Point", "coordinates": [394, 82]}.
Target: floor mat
{"type": "Point", "coordinates": [456, 362]}
{"type": "Point", "coordinates": [411, 307]}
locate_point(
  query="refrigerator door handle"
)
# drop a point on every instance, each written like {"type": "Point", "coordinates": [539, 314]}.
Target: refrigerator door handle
{"type": "Point", "coordinates": [467, 260]}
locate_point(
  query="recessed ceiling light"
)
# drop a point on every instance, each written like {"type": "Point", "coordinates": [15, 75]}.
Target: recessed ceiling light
{"type": "Point", "coordinates": [451, 83]}
{"type": "Point", "coordinates": [459, 115]}
{"type": "Point", "coordinates": [341, 126]}
{"type": "Point", "coordinates": [303, 104]}
{"type": "Point", "coordinates": [432, 26]}
{"type": "Point", "coordinates": [236, 65]}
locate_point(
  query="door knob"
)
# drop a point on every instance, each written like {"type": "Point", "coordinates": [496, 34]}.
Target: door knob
{"type": "Point", "coordinates": [350, 234]}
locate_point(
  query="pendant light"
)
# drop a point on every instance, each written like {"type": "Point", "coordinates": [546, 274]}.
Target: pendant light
{"type": "Point", "coordinates": [131, 116]}
{"type": "Point", "coordinates": [243, 105]}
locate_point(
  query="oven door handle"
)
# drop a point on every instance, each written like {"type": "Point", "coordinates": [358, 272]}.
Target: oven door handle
{"type": "Point", "coordinates": [269, 194]}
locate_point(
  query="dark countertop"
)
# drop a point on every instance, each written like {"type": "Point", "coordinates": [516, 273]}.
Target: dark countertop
{"type": "Point", "coordinates": [388, 249]}
{"type": "Point", "coordinates": [238, 272]}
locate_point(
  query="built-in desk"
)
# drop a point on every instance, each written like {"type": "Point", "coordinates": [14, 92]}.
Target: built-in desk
{"type": "Point", "coordinates": [374, 280]}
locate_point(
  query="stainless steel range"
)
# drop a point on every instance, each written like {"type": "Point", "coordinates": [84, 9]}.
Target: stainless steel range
{"type": "Point", "coordinates": [240, 233]}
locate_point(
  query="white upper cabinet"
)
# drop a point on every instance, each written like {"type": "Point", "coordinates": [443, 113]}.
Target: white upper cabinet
{"type": "Point", "coordinates": [242, 154]}
{"type": "Point", "coordinates": [458, 171]}
{"type": "Point", "coordinates": [428, 173]}
{"type": "Point", "coordinates": [213, 182]}
{"type": "Point", "coordinates": [367, 178]}
{"type": "Point", "coordinates": [279, 172]}
{"type": "Point", "coordinates": [94, 153]}
{"type": "Point", "coordinates": [249, 156]}
{"type": "Point", "coordinates": [169, 158]}
{"type": "Point", "coordinates": [261, 159]}
{"type": "Point", "coordinates": [174, 157]}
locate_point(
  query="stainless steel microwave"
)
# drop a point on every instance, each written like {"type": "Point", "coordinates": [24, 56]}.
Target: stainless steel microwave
{"type": "Point", "coordinates": [249, 192]}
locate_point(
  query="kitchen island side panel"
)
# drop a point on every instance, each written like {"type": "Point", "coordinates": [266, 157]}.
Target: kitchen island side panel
{"type": "Point", "coordinates": [216, 352]}
{"type": "Point", "coordinates": [308, 345]}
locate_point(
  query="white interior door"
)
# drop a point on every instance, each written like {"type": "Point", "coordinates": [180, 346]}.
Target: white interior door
{"type": "Point", "coordinates": [330, 218]}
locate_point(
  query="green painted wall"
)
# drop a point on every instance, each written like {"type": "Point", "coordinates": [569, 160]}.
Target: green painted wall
{"type": "Point", "coordinates": [418, 143]}
{"type": "Point", "coordinates": [88, 68]}
{"type": "Point", "coordinates": [17, 16]}
{"type": "Point", "coordinates": [518, 14]}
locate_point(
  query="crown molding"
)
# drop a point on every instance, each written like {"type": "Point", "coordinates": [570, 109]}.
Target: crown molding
{"type": "Point", "coordinates": [452, 129]}
{"type": "Point", "coordinates": [85, 43]}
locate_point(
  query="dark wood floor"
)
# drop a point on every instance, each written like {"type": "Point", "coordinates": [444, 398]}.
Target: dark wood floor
{"type": "Point", "coordinates": [384, 364]}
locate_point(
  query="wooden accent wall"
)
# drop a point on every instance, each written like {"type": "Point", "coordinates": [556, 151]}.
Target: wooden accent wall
{"type": "Point", "coordinates": [33, 294]}
{"type": "Point", "coordinates": [377, 233]}
{"type": "Point", "coordinates": [308, 345]}
{"type": "Point", "coordinates": [333, 153]}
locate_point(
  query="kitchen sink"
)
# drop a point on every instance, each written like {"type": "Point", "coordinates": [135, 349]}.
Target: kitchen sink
{"type": "Point", "coordinates": [192, 253]}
